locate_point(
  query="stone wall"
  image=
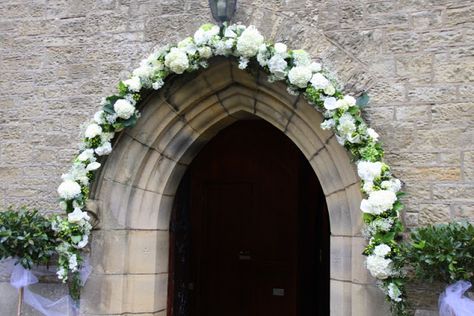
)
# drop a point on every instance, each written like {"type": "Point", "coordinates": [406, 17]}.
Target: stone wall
{"type": "Point", "coordinates": [58, 58]}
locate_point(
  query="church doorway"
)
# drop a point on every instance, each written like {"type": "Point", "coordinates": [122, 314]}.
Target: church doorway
{"type": "Point", "coordinates": [249, 229]}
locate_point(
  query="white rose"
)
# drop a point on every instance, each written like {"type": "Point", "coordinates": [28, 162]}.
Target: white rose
{"type": "Point", "coordinates": [99, 117]}
{"type": "Point", "coordinates": [87, 154]}
{"type": "Point", "coordinates": [277, 66]}
{"type": "Point", "coordinates": [379, 267]}
{"type": "Point", "coordinates": [205, 52]}
{"type": "Point", "coordinates": [299, 76]}
{"type": "Point", "coordinates": [134, 84]}
{"type": "Point", "coordinates": [319, 81]}
{"type": "Point", "coordinates": [177, 60]}
{"type": "Point", "coordinates": [346, 125]}
{"type": "Point", "coordinates": [330, 103]}
{"type": "Point", "coordinates": [105, 149]}
{"type": "Point", "coordinates": [382, 250]}
{"type": "Point", "coordinates": [77, 215]}
{"type": "Point", "coordinates": [124, 109]}
{"type": "Point", "coordinates": [69, 189]}
{"type": "Point", "coordinates": [368, 171]}
{"type": "Point", "coordinates": [373, 134]}
{"type": "Point", "coordinates": [93, 166]}
{"type": "Point", "coordinates": [378, 202]}
{"type": "Point", "coordinates": [393, 185]}
{"type": "Point", "coordinates": [249, 42]}
{"type": "Point", "coordinates": [346, 102]}
{"type": "Point", "coordinates": [330, 90]}
{"type": "Point", "coordinates": [93, 130]}
{"type": "Point", "coordinates": [83, 242]}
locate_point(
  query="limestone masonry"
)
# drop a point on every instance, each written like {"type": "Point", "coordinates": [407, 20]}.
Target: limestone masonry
{"type": "Point", "coordinates": [415, 58]}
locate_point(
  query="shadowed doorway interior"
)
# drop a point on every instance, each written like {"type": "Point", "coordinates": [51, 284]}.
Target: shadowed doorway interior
{"type": "Point", "coordinates": [249, 230]}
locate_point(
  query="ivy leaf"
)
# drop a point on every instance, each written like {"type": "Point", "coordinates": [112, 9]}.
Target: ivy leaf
{"type": "Point", "coordinates": [362, 100]}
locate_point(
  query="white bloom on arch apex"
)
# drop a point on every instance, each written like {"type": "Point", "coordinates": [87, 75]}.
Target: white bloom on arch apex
{"type": "Point", "coordinates": [300, 76]}
{"type": "Point", "coordinates": [124, 109]}
{"type": "Point", "coordinates": [249, 42]}
{"type": "Point", "coordinates": [177, 60]}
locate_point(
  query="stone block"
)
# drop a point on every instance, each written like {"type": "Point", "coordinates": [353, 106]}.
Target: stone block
{"type": "Point", "coordinates": [341, 298]}
{"type": "Point", "coordinates": [433, 214]}
{"type": "Point", "coordinates": [340, 217]}
{"type": "Point", "coordinates": [304, 135]}
{"type": "Point", "coordinates": [341, 258]}
{"type": "Point", "coordinates": [368, 300]}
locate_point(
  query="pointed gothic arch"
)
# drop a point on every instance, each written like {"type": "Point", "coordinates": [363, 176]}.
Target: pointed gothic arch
{"type": "Point", "coordinates": [134, 192]}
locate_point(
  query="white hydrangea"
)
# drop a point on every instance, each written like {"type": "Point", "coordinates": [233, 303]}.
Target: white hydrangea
{"type": "Point", "coordinates": [69, 189]}
{"type": "Point", "coordinates": [249, 42]}
{"type": "Point", "coordinates": [394, 292]}
{"type": "Point", "coordinates": [328, 124]}
{"type": "Point", "coordinates": [124, 109]}
{"type": "Point", "coordinates": [77, 216]}
{"type": "Point", "coordinates": [346, 125]}
{"type": "Point", "coordinates": [77, 173]}
{"type": "Point", "coordinates": [263, 55]}
{"type": "Point", "coordinates": [205, 52]}
{"type": "Point", "coordinates": [382, 250]}
{"type": "Point", "coordinates": [177, 60]}
{"type": "Point", "coordinates": [373, 134]}
{"type": "Point", "coordinates": [104, 149]}
{"type": "Point", "coordinates": [368, 171]}
{"type": "Point", "coordinates": [277, 66]}
{"type": "Point", "coordinates": [133, 84]}
{"type": "Point", "coordinates": [368, 186]}
{"type": "Point", "coordinates": [92, 130]}
{"type": "Point", "coordinates": [378, 202]}
{"type": "Point", "coordinates": [379, 267]}
{"type": "Point", "coordinates": [281, 50]}
{"type": "Point", "coordinates": [315, 67]}
{"type": "Point", "coordinates": [99, 117]}
{"type": "Point", "coordinates": [393, 185]}
{"type": "Point", "coordinates": [299, 76]}
{"type": "Point", "coordinates": [158, 84]}
{"type": "Point", "coordinates": [243, 62]}
{"type": "Point", "coordinates": [188, 46]}
{"type": "Point", "coordinates": [301, 58]}
{"type": "Point", "coordinates": [86, 154]}
{"type": "Point", "coordinates": [318, 81]}
{"type": "Point", "coordinates": [205, 33]}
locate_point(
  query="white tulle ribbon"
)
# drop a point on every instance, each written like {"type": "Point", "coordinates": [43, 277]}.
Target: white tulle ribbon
{"type": "Point", "coordinates": [65, 306]}
{"type": "Point", "coordinates": [453, 302]}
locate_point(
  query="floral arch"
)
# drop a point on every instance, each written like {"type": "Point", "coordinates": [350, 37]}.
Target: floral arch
{"type": "Point", "coordinates": [184, 114]}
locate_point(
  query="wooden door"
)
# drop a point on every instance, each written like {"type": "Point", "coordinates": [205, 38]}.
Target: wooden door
{"type": "Point", "coordinates": [245, 229]}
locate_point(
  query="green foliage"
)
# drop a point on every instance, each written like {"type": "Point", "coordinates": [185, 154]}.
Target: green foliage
{"type": "Point", "coordinates": [28, 236]}
{"type": "Point", "coordinates": [443, 252]}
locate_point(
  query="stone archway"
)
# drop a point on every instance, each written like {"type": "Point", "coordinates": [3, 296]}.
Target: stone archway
{"type": "Point", "coordinates": [134, 193]}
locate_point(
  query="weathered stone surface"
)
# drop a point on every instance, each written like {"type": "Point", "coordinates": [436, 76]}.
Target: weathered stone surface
{"type": "Point", "coordinates": [414, 56]}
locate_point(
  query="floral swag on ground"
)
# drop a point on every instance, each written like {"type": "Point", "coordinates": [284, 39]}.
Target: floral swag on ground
{"type": "Point", "coordinates": [381, 207]}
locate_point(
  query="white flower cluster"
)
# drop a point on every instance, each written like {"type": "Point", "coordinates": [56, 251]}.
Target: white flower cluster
{"type": "Point", "coordinates": [341, 113]}
{"type": "Point", "coordinates": [378, 265]}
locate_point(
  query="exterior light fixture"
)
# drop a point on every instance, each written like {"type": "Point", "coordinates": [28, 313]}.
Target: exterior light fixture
{"type": "Point", "coordinates": [223, 10]}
